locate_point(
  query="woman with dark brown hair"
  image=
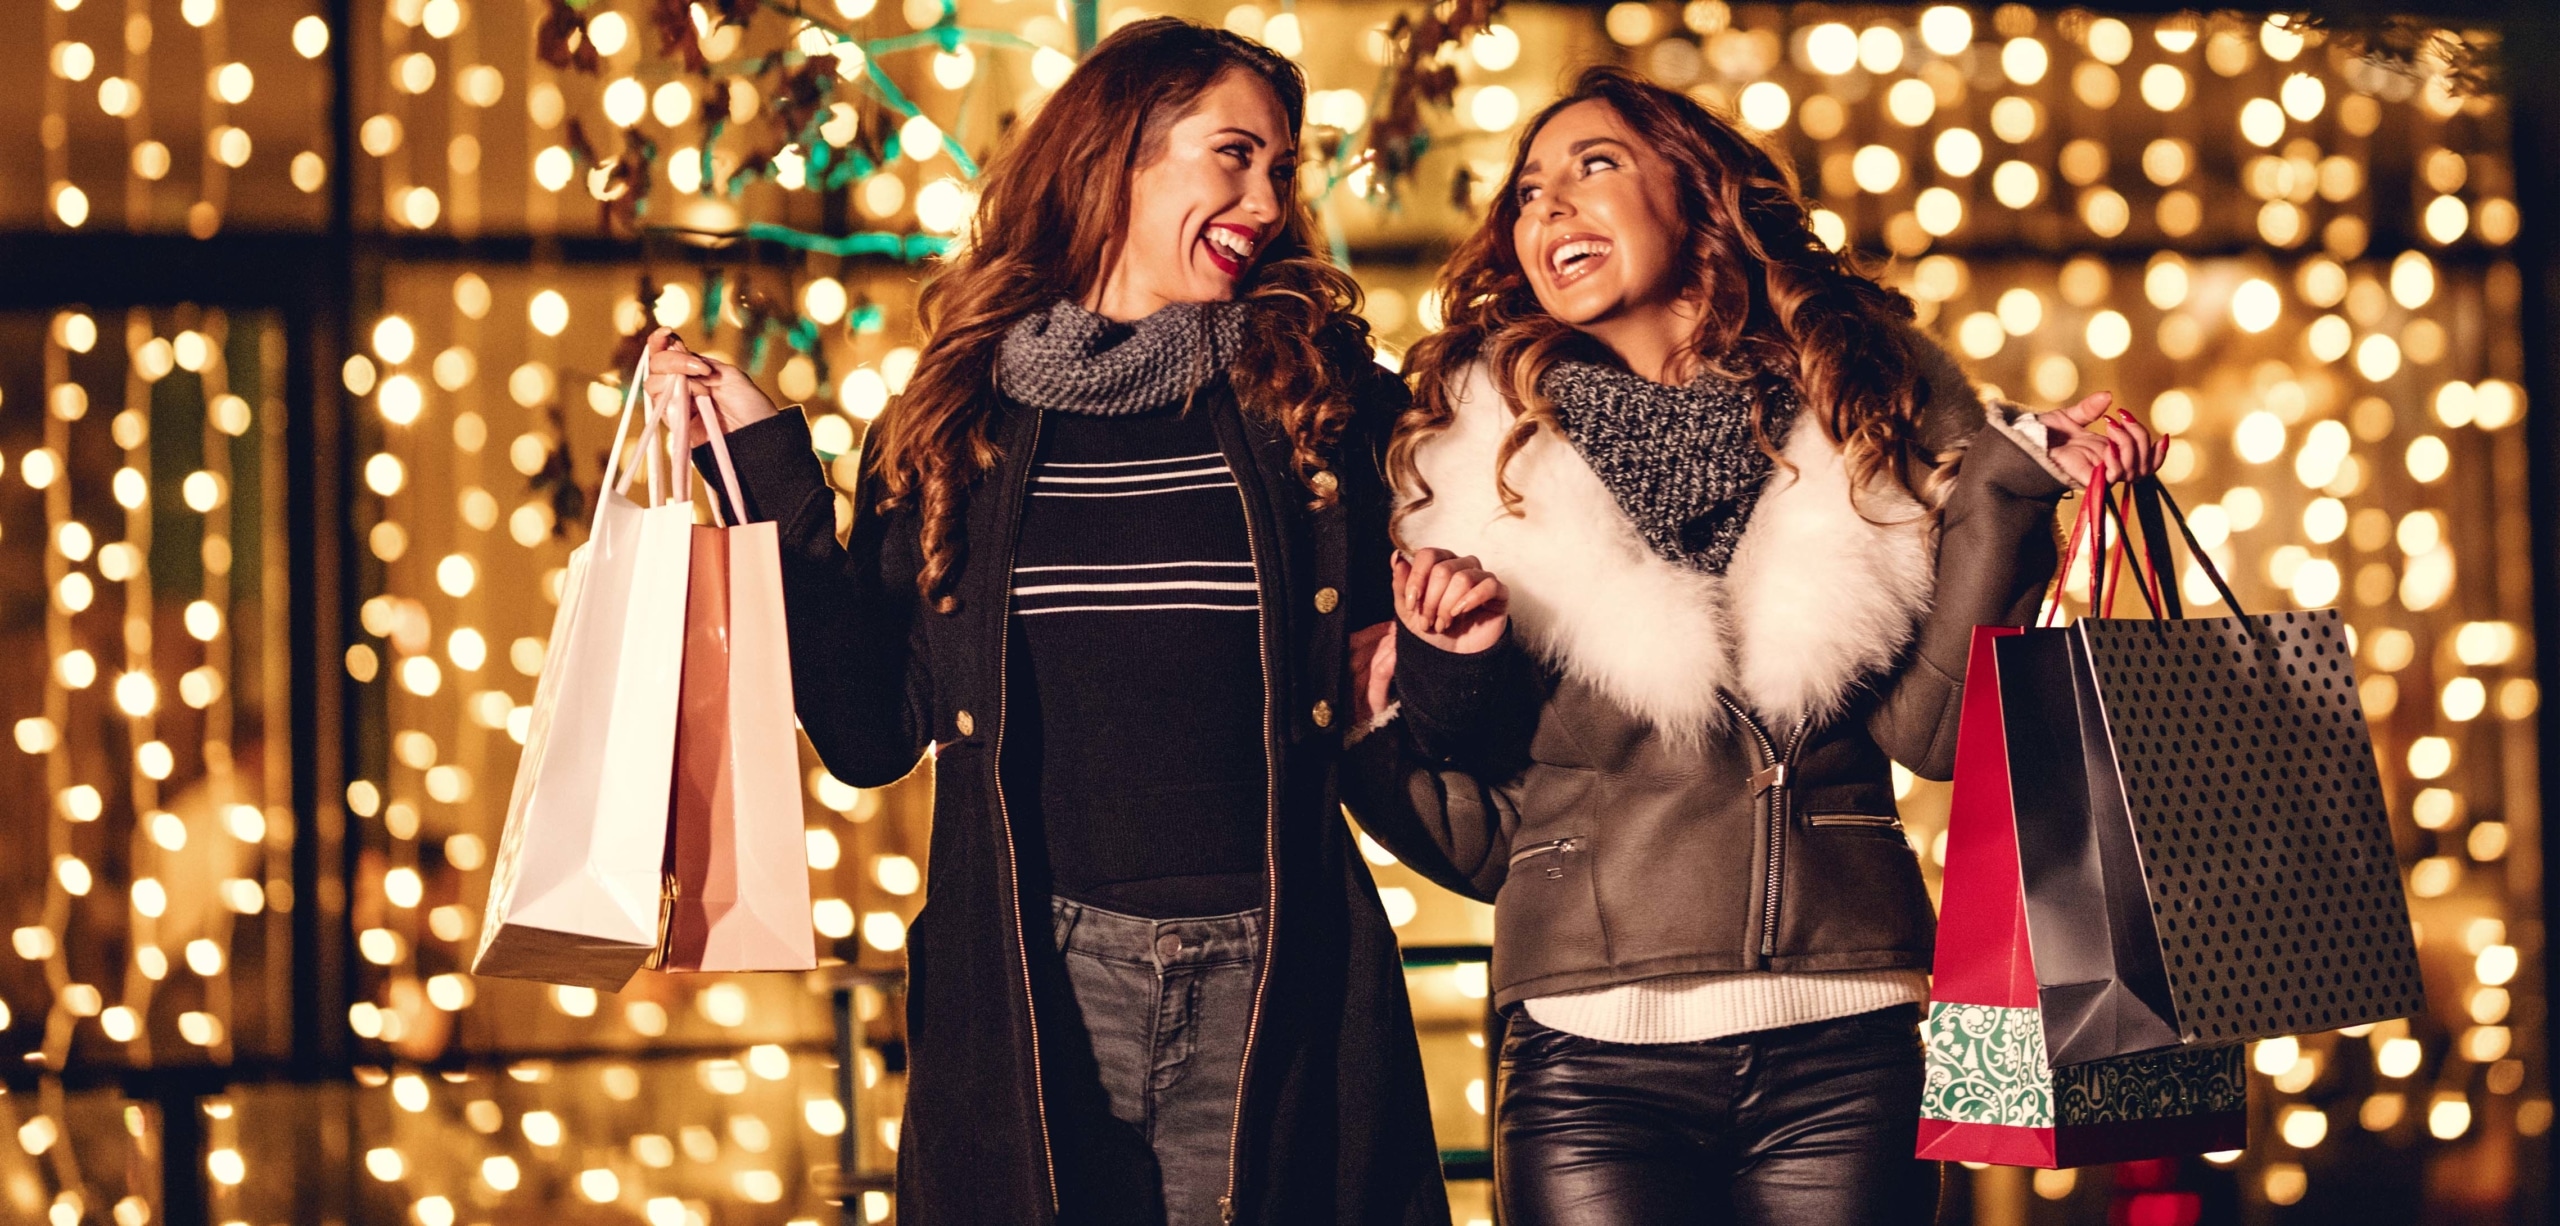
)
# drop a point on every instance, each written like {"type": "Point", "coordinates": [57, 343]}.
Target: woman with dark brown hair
{"type": "Point", "coordinates": [1106, 555]}
{"type": "Point", "coordinates": [1748, 517]}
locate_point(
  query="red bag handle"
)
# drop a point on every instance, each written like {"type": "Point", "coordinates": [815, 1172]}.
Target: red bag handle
{"type": "Point", "coordinates": [2107, 502]}
{"type": "Point", "coordinates": [2090, 525]}
{"type": "Point", "coordinates": [2070, 553]}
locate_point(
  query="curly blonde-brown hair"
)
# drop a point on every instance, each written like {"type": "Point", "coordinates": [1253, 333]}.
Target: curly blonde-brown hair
{"type": "Point", "coordinates": [1780, 308]}
{"type": "Point", "coordinates": [1052, 209]}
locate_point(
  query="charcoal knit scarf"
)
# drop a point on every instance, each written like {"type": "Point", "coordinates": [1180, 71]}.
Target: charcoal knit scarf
{"type": "Point", "coordinates": [1073, 360]}
{"type": "Point", "coordinates": [1680, 461]}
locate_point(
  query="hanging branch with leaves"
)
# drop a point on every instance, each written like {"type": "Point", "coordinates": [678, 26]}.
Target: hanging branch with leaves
{"type": "Point", "coordinates": [830, 111]}
{"type": "Point", "coordinates": [2416, 48]}
{"type": "Point", "coordinates": [1419, 70]}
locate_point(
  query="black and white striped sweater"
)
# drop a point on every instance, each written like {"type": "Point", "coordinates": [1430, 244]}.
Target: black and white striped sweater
{"type": "Point", "coordinates": [1135, 718]}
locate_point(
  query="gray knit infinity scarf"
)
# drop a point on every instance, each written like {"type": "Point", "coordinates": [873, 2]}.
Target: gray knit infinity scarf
{"type": "Point", "coordinates": [1680, 461]}
{"type": "Point", "coordinates": [1070, 359]}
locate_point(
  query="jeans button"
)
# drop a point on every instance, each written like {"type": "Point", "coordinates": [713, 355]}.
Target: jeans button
{"type": "Point", "coordinates": [1168, 947]}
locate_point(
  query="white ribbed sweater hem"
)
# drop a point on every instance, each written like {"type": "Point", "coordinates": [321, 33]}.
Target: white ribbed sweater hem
{"type": "Point", "coordinates": [1696, 1008]}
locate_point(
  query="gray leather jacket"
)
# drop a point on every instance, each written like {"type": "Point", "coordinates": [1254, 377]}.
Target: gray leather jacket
{"type": "Point", "coordinates": [1661, 772]}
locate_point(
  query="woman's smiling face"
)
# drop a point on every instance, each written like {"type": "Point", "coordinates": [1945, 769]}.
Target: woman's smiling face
{"type": "Point", "coordinates": [1599, 229]}
{"type": "Point", "coordinates": [1201, 209]}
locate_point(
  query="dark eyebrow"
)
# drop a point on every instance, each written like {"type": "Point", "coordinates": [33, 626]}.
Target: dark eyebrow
{"type": "Point", "coordinates": [1576, 149]}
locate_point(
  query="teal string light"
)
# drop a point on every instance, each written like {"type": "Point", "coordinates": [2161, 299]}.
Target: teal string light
{"type": "Point", "coordinates": [904, 247]}
{"type": "Point", "coordinates": [712, 287]}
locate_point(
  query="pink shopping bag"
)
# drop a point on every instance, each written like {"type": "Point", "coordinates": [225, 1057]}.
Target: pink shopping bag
{"type": "Point", "coordinates": [737, 858]}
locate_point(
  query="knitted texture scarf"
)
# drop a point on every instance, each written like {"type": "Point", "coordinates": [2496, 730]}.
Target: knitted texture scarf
{"type": "Point", "coordinates": [1069, 359]}
{"type": "Point", "coordinates": [1680, 461]}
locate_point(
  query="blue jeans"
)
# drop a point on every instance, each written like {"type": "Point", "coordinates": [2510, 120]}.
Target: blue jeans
{"type": "Point", "coordinates": [1145, 1068]}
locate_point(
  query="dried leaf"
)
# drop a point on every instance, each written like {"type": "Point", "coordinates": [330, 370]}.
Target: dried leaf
{"type": "Point", "coordinates": [677, 35]}
{"type": "Point", "coordinates": [626, 352]}
{"type": "Point", "coordinates": [556, 482]}
{"type": "Point", "coordinates": [561, 41]}
{"type": "Point", "coordinates": [621, 184]}
{"type": "Point", "coordinates": [582, 152]}
{"type": "Point", "coordinates": [799, 95]}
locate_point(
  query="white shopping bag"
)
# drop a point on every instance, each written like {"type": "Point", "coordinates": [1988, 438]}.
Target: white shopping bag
{"type": "Point", "coordinates": [575, 896]}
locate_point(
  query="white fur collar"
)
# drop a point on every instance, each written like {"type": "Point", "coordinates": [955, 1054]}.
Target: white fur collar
{"type": "Point", "coordinates": [1816, 599]}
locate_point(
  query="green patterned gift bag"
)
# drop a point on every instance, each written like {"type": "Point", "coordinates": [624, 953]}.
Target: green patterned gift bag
{"type": "Point", "coordinates": [1992, 1097]}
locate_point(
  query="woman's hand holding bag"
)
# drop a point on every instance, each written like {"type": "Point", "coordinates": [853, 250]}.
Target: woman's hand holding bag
{"type": "Point", "coordinates": [2123, 454]}
{"type": "Point", "coordinates": [684, 385]}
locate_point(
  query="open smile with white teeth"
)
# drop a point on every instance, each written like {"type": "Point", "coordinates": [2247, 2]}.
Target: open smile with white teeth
{"type": "Point", "coordinates": [1574, 258]}
{"type": "Point", "coordinates": [1230, 247]}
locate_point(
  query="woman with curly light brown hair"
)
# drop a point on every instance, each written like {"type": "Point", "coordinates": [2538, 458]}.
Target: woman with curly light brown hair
{"type": "Point", "coordinates": [1748, 517]}
{"type": "Point", "coordinates": [1106, 555]}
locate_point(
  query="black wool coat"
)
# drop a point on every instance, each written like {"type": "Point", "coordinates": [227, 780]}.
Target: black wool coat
{"type": "Point", "coordinates": [1335, 1127]}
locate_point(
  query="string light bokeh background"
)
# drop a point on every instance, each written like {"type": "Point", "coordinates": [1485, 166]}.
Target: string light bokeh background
{"type": "Point", "coordinates": [281, 540]}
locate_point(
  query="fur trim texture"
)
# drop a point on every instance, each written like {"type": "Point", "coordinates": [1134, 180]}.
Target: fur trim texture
{"type": "Point", "coordinates": [1360, 732]}
{"type": "Point", "coordinates": [1817, 598]}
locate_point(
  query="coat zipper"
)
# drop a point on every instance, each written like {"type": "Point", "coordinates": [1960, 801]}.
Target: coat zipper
{"type": "Point", "coordinates": [1558, 846]}
{"type": "Point", "coordinates": [1013, 862]}
{"type": "Point", "coordinates": [1270, 854]}
{"type": "Point", "coordinates": [1771, 779]}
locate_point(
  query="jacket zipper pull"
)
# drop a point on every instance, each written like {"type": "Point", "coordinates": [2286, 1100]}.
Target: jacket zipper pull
{"type": "Point", "coordinates": [1773, 775]}
{"type": "Point", "coordinates": [1226, 1209]}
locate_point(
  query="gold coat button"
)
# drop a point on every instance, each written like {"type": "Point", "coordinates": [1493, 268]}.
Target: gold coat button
{"type": "Point", "coordinates": [968, 725]}
{"type": "Point", "coordinates": [1327, 599]}
{"type": "Point", "coordinates": [1323, 482]}
{"type": "Point", "coordinates": [1323, 714]}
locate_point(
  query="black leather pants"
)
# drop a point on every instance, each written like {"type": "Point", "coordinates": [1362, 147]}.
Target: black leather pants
{"type": "Point", "coordinates": [1809, 1125]}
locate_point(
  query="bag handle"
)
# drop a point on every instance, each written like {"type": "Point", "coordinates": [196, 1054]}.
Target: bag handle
{"type": "Point", "coordinates": [635, 394]}
{"type": "Point", "coordinates": [2146, 579]}
{"type": "Point", "coordinates": [2070, 553]}
{"type": "Point", "coordinates": [719, 439]}
{"type": "Point", "coordinates": [645, 452]}
{"type": "Point", "coordinates": [2155, 547]}
{"type": "Point", "coordinates": [2105, 503]}
{"type": "Point", "coordinates": [2204, 561]}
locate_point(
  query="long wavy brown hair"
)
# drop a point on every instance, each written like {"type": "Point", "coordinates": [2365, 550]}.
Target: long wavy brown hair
{"type": "Point", "coordinates": [1779, 308]}
{"type": "Point", "coordinates": [1053, 207]}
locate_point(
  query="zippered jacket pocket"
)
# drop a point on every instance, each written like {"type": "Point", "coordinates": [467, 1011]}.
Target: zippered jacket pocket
{"type": "Point", "coordinates": [1855, 821]}
{"type": "Point", "coordinates": [1547, 920]}
{"type": "Point", "coordinates": [1554, 851]}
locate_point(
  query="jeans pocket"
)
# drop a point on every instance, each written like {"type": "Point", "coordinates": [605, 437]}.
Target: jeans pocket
{"type": "Point", "coordinates": [1062, 922]}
